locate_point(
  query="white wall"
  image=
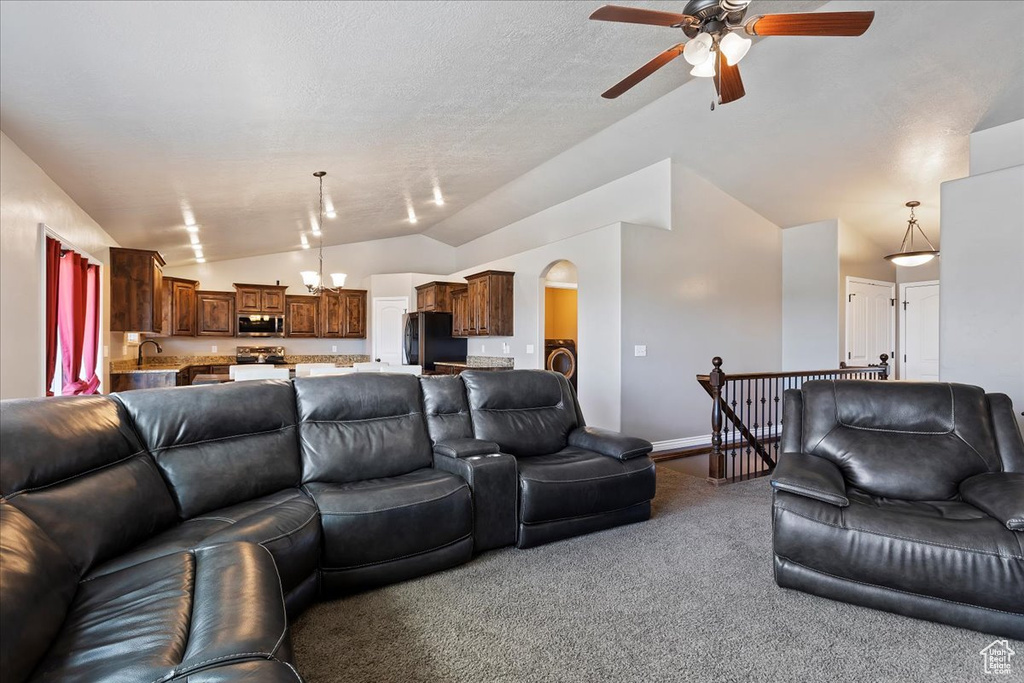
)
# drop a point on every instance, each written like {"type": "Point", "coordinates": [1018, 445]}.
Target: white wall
{"type": "Point", "coordinates": [712, 285]}
{"type": "Point", "coordinates": [598, 259]}
{"type": "Point", "coordinates": [810, 292]}
{"type": "Point", "coordinates": [997, 148]}
{"type": "Point", "coordinates": [981, 338]}
{"type": "Point", "coordinates": [27, 198]}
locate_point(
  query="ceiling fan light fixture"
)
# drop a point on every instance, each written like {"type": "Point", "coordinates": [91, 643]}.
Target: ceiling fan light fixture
{"type": "Point", "coordinates": [734, 47]}
{"type": "Point", "coordinates": [697, 50]}
{"type": "Point", "coordinates": [907, 256]}
{"type": "Point", "coordinates": [705, 69]}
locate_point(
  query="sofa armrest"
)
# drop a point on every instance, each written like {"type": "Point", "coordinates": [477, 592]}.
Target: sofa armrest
{"type": "Point", "coordinates": [1009, 441]}
{"type": "Point", "coordinates": [812, 477]}
{"type": "Point", "coordinates": [612, 444]}
{"type": "Point", "coordinates": [999, 495]}
{"type": "Point", "coordinates": [494, 482]}
{"type": "Point", "coordinates": [464, 448]}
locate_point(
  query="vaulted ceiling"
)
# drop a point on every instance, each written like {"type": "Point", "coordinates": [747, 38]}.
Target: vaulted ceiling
{"type": "Point", "coordinates": [145, 111]}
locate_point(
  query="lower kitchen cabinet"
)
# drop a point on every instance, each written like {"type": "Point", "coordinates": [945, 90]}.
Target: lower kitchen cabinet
{"type": "Point", "coordinates": [127, 381]}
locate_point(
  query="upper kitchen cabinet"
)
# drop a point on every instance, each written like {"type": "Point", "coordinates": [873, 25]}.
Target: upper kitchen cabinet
{"type": "Point", "coordinates": [343, 314]}
{"type": "Point", "coordinates": [490, 304]}
{"type": "Point", "coordinates": [259, 299]}
{"type": "Point", "coordinates": [215, 314]}
{"type": "Point", "coordinates": [302, 318]}
{"type": "Point", "coordinates": [136, 290]}
{"type": "Point", "coordinates": [460, 312]}
{"type": "Point", "coordinates": [179, 307]}
{"type": "Point", "coordinates": [436, 297]}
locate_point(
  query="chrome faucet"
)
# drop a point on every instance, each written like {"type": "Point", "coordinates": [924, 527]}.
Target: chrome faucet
{"type": "Point", "coordinates": [159, 349]}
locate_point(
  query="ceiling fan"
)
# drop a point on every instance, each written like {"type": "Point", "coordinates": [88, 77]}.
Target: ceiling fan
{"type": "Point", "coordinates": [714, 49]}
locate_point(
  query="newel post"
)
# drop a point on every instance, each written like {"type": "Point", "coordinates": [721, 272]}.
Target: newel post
{"type": "Point", "coordinates": [885, 365]}
{"type": "Point", "coordinates": [716, 459]}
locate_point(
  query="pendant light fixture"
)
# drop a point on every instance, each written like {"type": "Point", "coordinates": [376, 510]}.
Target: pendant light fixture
{"type": "Point", "coordinates": [909, 256]}
{"type": "Point", "coordinates": [314, 280]}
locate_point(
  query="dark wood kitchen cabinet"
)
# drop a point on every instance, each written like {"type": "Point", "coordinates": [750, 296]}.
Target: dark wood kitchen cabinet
{"type": "Point", "coordinates": [436, 296]}
{"type": "Point", "coordinates": [490, 303]}
{"type": "Point", "coordinates": [215, 314]}
{"type": "Point", "coordinates": [260, 299]}
{"type": "Point", "coordinates": [343, 314]}
{"type": "Point", "coordinates": [136, 290]}
{"type": "Point", "coordinates": [302, 316]}
{"type": "Point", "coordinates": [460, 312]}
{"type": "Point", "coordinates": [179, 307]}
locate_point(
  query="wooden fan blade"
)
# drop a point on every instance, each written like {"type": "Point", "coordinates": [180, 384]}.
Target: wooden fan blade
{"type": "Point", "coordinates": [643, 72]}
{"type": "Point", "coordinates": [727, 81]}
{"type": "Point", "coordinates": [634, 15]}
{"type": "Point", "coordinates": [811, 24]}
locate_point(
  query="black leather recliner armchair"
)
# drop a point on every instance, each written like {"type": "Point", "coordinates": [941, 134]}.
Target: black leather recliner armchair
{"type": "Point", "coordinates": [906, 497]}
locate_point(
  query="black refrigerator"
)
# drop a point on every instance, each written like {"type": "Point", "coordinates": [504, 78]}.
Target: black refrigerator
{"type": "Point", "coordinates": [428, 339]}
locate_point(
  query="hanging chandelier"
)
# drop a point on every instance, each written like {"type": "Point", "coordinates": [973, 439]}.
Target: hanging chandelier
{"type": "Point", "coordinates": [314, 280]}
{"type": "Point", "coordinates": [908, 255]}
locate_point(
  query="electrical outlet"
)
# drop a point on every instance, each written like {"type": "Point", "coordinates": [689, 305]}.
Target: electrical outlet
{"type": "Point", "coordinates": [124, 350]}
{"type": "Point", "coordinates": [106, 351]}
{"type": "Point", "coordinates": [529, 348]}
{"type": "Point", "coordinates": [506, 349]}
{"type": "Point", "coordinates": [213, 348]}
{"type": "Point", "coordinates": [483, 349]}
{"type": "Point", "coordinates": [334, 348]}
{"type": "Point", "coordinates": [640, 351]}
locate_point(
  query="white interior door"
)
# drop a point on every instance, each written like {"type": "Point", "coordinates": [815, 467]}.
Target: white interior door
{"type": "Point", "coordinates": [870, 321]}
{"type": "Point", "coordinates": [919, 334]}
{"type": "Point", "coordinates": [388, 319]}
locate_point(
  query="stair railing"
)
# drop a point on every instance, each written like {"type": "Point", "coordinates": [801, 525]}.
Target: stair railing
{"type": "Point", "coordinates": [746, 415]}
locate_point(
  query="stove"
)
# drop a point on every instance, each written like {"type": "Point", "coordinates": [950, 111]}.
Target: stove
{"type": "Point", "coordinates": [271, 355]}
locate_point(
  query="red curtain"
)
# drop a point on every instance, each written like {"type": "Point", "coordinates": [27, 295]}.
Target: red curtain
{"type": "Point", "coordinates": [77, 302]}
{"type": "Point", "coordinates": [52, 277]}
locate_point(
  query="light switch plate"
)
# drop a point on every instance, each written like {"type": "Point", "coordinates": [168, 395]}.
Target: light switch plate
{"type": "Point", "coordinates": [483, 349]}
{"type": "Point", "coordinates": [334, 348]}
{"type": "Point", "coordinates": [213, 348]}
{"type": "Point", "coordinates": [640, 351]}
{"type": "Point", "coordinates": [529, 348]}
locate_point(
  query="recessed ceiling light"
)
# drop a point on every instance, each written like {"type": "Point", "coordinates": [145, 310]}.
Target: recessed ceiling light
{"type": "Point", "coordinates": [329, 208]}
{"type": "Point", "coordinates": [304, 240]}
{"type": "Point", "coordinates": [194, 238]}
{"type": "Point", "coordinates": [200, 259]}
{"type": "Point", "coordinates": [438, 197]}
{"type": "Point", "coordinates": [192, 228]}
{"type": "Point", "coordinates": [412, 215]}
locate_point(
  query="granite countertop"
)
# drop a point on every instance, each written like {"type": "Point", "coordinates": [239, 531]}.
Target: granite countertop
{"type": "Point", "coordinates": [480, 362]}
{"type": "Point", "coordinates": [157, 364]}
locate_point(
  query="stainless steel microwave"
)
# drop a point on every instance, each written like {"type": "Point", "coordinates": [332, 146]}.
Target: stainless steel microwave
{"type": "Point", "coordinates": [260, 325]}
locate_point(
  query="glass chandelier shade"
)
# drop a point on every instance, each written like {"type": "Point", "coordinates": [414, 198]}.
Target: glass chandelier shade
{"type": "Point", "coordinates": [909, 255]}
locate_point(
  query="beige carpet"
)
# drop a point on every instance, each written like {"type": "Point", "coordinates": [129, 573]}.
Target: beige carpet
{"type": "Point", "coordinates": [687, 596]}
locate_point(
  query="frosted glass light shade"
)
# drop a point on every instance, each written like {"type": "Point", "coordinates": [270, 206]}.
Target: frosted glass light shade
{"type": "Point", "coordinates": [706, 69]}
{"type": "Point", "coordinates": [310, 278]}
{"type": "Point", "coordinates": [338, 279]}
{"type": "Point", "coordinates": [912, 259]}
{"type": "Point", "coordinates": [696, 51]}
{"type": "Point", "coordinates": [734, 47]}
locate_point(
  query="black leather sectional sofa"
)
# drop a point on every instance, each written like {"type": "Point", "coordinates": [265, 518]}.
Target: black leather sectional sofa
{"type": "Point", "coordinates": [906, 497]}
{"type": "Point", "coordinates": [169, 534]}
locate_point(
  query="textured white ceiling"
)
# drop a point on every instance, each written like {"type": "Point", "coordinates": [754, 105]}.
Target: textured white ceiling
{"type": "Point", "coordinates": [138, 109]}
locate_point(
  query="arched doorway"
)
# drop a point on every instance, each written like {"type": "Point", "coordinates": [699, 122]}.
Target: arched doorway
{"type": "Point", "coordinates": [561, 320]}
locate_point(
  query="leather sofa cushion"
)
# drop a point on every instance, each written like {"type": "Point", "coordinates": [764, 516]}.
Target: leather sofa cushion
{"type": "Point", "coordinates": [575, 482]}
{"type": "Point", "coordinates": [254, 671]}
{"type": "Point", "coordinates": [222, 444]}
{"type": "Point", "coordinates": [286, 523]}
{"type": "Point", "coordinates": [998, 494]}
{"type": "Point", "coordinates": [446, 408]}
{"type": "Point", "coordinates": [942, 549]}
{"type": "Point", "coordinates": [59, 438]}
{"type": "Point", "coordinates": [169, 616]}
{"type": "Point", "coordinates": [912, 441]}
{"type": "Point", "coordinates": [37, 583]}
{"type": "Point", "coordinates": [361, 426]}
{"type": "Point", "coordinates": [379, 520]}
{"type": "Point", "coordinates": [526, 412]}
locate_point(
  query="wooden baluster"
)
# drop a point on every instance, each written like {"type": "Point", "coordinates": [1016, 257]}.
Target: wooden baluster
{"type": "Point", "coordinates": [716, 459]}
{"type": "Point", "coordinates": [885, 365]}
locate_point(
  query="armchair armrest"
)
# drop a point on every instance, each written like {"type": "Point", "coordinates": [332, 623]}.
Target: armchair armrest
{"type": "Point", "coordinates": [464, 448]}
{"type": "Point", "coordinates": [999, 495]}
{"type": "Point", "coordinates": [812, 477]}
{"type": "Point", "coordinates": [494, 480]}
{"type": "Point", "coordinates": [607, 442]}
